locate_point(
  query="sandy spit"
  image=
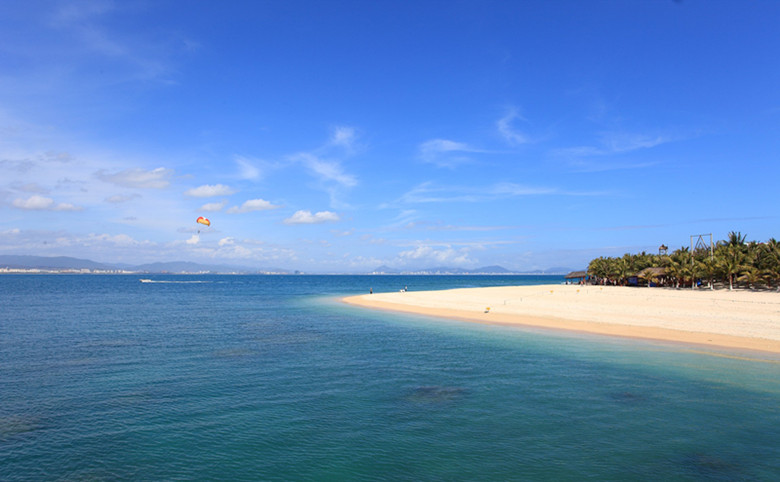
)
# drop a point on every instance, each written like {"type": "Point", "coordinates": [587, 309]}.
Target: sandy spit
{"type": "Point", "coordinates": [731, 319]}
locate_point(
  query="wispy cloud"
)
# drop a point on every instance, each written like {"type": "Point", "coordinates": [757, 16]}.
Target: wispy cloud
{"type": "Point", "coordinates": [612, 152]}
{"type": "Point", "coordinates": [326, 170]}
{"type": "Point", "coordinates": [255, 169]}
{"type": "Point", "coordinates": [29, 187]}
{"type": "Point", "coordinates": [121, 198]}
{"type": "Point", "coordinates": [209, 190]}
{"type": "Point", "coordinates": [306, 217]}
{"type": "Point", "coordinates": [253, 205]}
{"type": "Point", "coordinates": [136, 56]}
{"type": "Point", "coordinates": [512, 189]}
{"type": "Point", "coordinates": [343, 136]}
{"type": "Point", "coordinates": [612, 143]}
{"type": "Point", "coordinates": [212, 207]}
{"type": "Point", "coordinates": [41, 203]}
{"type": "Point", "coordinates": [508, 132]}
{"type": "Point", "coordinates": [428, 192]}
{"type": "Point", "coordinates": [445, 152]}
{"type": "Point", "coordinates": [19, 166]}
{"type": "Point", "coordinates": [138, 178]}
{"type": "Point", "coordinates": [435, 226]}
{"type": "Point", "coordinates": [589, 165]}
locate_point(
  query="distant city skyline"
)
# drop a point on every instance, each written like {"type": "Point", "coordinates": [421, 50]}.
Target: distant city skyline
{"type": "Point", "coordinates": [343, 136]}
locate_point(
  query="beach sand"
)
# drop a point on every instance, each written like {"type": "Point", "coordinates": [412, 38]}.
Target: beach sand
{"type": "Point", "coordinates": [732, 319]}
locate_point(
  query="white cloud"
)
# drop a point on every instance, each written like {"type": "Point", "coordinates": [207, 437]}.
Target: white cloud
{"type": "Point", "coordinates": [214, 206]}
{"type": "Point", "coordinates": [326, 170]}
{"type": "Point", "coordinates": [247, 168]}
{"type": "Point", "coordinates": [512, 189]}
{"type": "Point", "coordinates": [435, 146]}
{"type": "Point", "coordinates": [30, 187]}
{"type": "Point", "coordinates": [195, 239]}
{"type": "Point", "coordinates": [208, 190]}
{"type": "Point", "coordinates": [41, 203]}
{"type": "Point", "coordinates": [612, 143]}
{"type": "Point", "coordinates": [343, 136]}
{"type": "Point", "coordinates": [427, 192]}
{"type": "Point", "coordinates": [226, 242]}
{"type": "Point", "coordinates": [445, 153]}
{"type": "Point", "coordinates": [122, 240]}
{"type": "Point", "coordinates": [306, 217]}
{"type": "Point", "coordinates": [505, 128]}
{"type": "Point", "coordinates": [253, 205]}
{"type": "Point", "coordinates": [120, 198]}
{"type": "Point", "coordinates": [429, 254]}
{"type": "Point", "coordinates": [621, 142]}
{"type": "Point", "coordinates": [138, 178]}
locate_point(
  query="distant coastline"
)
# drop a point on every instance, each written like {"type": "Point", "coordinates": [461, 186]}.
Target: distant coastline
{"type": "Point", "coordinates": [23, 264]}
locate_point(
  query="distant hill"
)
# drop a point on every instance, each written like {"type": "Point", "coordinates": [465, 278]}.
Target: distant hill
{"type": "Point", "coordinates": [56, 263]}
{"type": "Point", "coordinates": [65, 263]}
{"type": "Point", "coordinates": [491, 270]}
{"type": "Point", "coordinates": [386, 270]}
{"type": "Point", "coordinates": [49, 262]}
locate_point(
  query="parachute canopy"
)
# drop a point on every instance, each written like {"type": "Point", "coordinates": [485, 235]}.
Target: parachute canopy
{"type": "Point", "coordinates": [202, 220]}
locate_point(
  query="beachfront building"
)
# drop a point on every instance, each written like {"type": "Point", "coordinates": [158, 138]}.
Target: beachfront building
{"type": "Point", "coordinates": [653, 276]}
{"type": "Point", "coordinates": [579, 276]}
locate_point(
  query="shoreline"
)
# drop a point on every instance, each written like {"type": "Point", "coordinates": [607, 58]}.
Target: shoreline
{"type": "Point", "coordinates": [723, 319]}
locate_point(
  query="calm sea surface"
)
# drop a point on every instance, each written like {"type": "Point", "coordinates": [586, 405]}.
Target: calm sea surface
{"type": "Point", "coordinates": [271, 378]}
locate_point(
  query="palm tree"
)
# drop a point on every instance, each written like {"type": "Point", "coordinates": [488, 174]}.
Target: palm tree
{"type": "Point", "coordinates": [648, 274]}
{"type": "Point", "coordinates": [752, 276]}
{"type": "Point", "coordinates": [771, 251]}
{"type": "Point", "coordinates": [623, 269]}
{"type": "Point", "coordinates": [679, 266]}
{"type": "Point", "coordinates": [732, 258]}
{"type": "Point", "coordinates": [708, 267]}
{"type": "Point", "coordinates": [736, 238]}
{"type": "Point", "coordinates": [731, 261]}
{"type": "Point", "coordinates": [599, 268]}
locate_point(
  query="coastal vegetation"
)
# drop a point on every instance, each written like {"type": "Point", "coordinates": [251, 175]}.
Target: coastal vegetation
{"type": "Point", "coordinates": [731, 262]}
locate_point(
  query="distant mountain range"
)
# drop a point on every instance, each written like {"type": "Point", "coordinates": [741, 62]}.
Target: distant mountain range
{"type": "Point", "coordinates": [68, 264]}
{"type": "Point", "coordinates": [65, 263]}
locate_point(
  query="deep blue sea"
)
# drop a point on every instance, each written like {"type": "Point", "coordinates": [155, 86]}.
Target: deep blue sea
{"type": "Point", "coordinates": [272, 378]}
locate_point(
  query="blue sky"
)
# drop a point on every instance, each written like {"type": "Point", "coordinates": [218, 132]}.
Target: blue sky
{"type": "Point", "coordinates": [338, 136]}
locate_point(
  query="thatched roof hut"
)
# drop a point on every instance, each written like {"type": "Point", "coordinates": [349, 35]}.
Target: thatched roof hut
{"type": "Point", "coordinates": [577, 275]}
{"type": "Point", "coordinates": [653, 276]}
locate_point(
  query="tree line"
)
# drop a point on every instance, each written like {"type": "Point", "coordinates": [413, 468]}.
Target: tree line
{"type": "Point", "coordinates": [732, 262]}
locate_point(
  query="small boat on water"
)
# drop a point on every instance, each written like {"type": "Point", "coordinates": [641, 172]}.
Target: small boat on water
{"type": "Point", "coordinates": [145, 280]}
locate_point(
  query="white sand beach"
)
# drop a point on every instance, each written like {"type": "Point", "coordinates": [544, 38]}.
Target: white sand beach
{"type": "Point", "coordinates": [734, 319]}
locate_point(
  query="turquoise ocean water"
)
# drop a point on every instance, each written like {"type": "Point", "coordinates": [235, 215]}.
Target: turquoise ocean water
{"type": "Point", "coordinates": [271, 378]}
